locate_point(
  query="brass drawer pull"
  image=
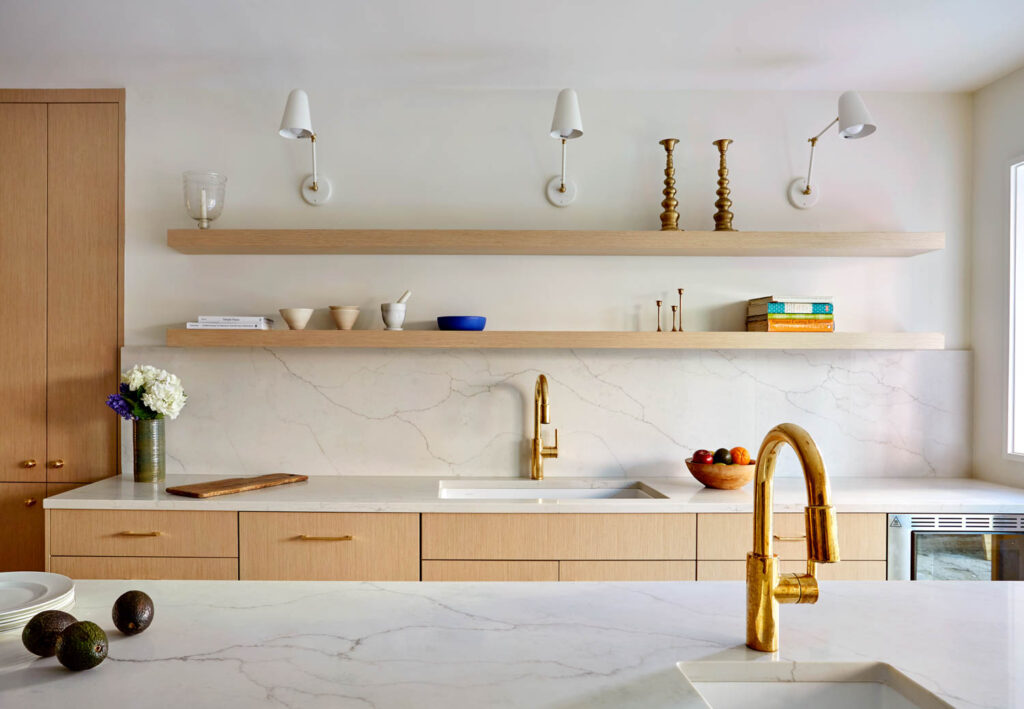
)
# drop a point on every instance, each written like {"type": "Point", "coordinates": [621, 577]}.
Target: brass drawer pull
{"type": "Point", "coordinates": [140, 534]}
{"type": "Point", "coordinates": [30, 463]}
{"type": "Point", "coordinates": [308, 538]}
{"type": "Point", "coordinates": [788, 539]}
{"type": "Point", "coordinates": [30, 501]}
{"type": "Point", "coordinates": [59, 463]}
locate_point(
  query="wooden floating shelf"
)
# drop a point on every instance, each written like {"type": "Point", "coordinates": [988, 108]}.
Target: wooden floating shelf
{"type": "Point", "coordinates": [552, 243]}
{"type": "Point", "coordinates": [553, 339]}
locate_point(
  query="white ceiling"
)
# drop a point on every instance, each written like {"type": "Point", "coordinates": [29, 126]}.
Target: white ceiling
{"type": "Point", "coordinates": [896, 45]}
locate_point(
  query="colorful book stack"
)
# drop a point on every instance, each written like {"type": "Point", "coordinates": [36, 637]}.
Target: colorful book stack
{"type": "Point", "coordinates": [791, 314]}
{"type": "Point", "coordinates": [230, 322]}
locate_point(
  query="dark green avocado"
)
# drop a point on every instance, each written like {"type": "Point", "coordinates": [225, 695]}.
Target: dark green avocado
{"type": "Point", "coordinates": [82, 646]}
{"type": "Point", "coordinates": [40, 634]}
{"type": "Point", "coordinates": [133, 612]}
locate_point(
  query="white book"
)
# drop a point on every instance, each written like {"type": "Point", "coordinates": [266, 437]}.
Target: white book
{"type": "Point", "coordinates": [792, 299]}
{"type": "Point", "coordinates": [226, 326]}
{"type": "Point", "coordinates": [234, 318]}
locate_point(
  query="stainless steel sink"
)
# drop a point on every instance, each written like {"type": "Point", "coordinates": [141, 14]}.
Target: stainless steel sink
{"type": "Point", "coordinates": [546, 490]}
{"type": "Point", "coordinates": [783, 685]}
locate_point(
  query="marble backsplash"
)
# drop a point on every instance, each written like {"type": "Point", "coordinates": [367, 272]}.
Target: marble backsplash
{"type": "Point", "coordinates": [619, 414]}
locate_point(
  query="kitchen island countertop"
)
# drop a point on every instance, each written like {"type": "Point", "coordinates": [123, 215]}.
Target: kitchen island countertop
{"type": "Point", "coordinates": [335, 644]}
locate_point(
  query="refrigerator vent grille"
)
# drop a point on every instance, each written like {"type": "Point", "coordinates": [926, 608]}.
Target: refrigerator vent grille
{"type": "Point", "coordinates": [971, 523]}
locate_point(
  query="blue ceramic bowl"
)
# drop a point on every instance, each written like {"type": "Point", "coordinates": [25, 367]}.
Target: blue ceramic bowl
{"type": "Point", "coordinates": [461, 322]}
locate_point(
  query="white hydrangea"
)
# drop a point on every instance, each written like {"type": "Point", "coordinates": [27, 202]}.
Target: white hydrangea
{"type": "Point", "coordinates": [161, 391]}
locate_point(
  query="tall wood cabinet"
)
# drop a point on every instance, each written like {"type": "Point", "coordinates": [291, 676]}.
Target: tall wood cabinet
{"type": "Point", "coordinates": [61, 267]}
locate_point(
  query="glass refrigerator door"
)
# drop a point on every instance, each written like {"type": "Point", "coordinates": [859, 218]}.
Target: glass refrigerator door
{"type": "Point", "coordinates": [968, 557]}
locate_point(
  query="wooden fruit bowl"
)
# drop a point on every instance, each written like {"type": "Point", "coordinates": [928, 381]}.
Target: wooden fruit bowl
{"type": "Point", "coordinates": [720, 475]}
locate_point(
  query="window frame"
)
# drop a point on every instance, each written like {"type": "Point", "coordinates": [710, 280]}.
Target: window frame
{"type": "Point", "coordinates": [1015, 185]}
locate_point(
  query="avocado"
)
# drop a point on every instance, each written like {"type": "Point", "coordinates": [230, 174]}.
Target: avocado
{"type": "Point", "coordinates": [133, 612]}
{"type": "Point", "coordinates": [40, 634]}
{"type": "Point", "coordinates": [82, 646]}
{"type": "Point", "coordinates": [722, 455]}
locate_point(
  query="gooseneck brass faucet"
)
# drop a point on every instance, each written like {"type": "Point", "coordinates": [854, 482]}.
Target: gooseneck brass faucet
{"type": "Point", "coordinates": [766, 587]}
{"type": "Point", "coordinates": [541, 414]}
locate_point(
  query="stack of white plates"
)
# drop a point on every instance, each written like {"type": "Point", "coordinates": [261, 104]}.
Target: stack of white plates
{"type": "Point", "coordinates": [25, 593]}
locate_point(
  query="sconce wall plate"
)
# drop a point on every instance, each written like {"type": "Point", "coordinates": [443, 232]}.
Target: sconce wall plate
{"type": "Point", "coordinates": [555, 194]}
{"type": "Point", "coordinates": [797, 197]}
{"type": "Point", "coordinates": [318, 196]}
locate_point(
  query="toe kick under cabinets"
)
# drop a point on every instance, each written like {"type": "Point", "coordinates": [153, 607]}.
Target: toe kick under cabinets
{"type": "Point", "coordinates": [385, 546]}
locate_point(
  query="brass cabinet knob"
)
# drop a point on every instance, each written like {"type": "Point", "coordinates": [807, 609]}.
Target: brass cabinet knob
{"type": "Point", "coordinates": [30, 463]}
{"type": "Point", "coordinates": [59, 463]}
{"type": "Point", "coordinates": [30, 501]}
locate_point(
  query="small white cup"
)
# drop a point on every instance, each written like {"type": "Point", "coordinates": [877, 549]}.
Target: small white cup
{"type": "Point", "coordinates": [344, 316]}
{"type": "Point", "coordinates": [393, 314]}
{"type": "Point", "coordinates": [296, 317]}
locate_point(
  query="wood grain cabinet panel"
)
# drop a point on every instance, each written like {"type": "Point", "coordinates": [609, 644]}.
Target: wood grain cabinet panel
{"type": "Point", "coordinates": [329, 546]}
{"type": "Point", "coordinates": [490, 570]}
{"type": "Point", "coordinates": [627, 571]}
{"type": "Point", "coordinates": [82, 290]}
{"type": "Point", "coordinates": [21, 510]}
{"type": "Point", "coordinates": [143, 533]}
{"type": "Point", "coordinates": [23, 292]}
{"type": "Point", "coordinates": [138, 567]}
{"type": "Point", "coordinates": [842, 571]}
{"type": "Point", "coordinates": [559, 536]}
{"type": "Point", "coordinates": [729, 536]}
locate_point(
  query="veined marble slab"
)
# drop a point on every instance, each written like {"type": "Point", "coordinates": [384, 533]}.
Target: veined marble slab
{"type": "Point", "coordinates": [420, 494]}
{"type": "Point", "coordinates": [226, 644]}
{"type": "Point", "coordinates": [619, 414]}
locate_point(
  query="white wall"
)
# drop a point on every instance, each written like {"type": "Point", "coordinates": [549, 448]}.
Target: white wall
{"type": "Point", "coordinates": [998, 139]}
{"type": "Point", "coordinates": [480, 159]}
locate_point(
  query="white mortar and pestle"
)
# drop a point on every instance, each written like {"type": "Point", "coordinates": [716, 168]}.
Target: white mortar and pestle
{"type": "Point", "coordinates": [394, 313]}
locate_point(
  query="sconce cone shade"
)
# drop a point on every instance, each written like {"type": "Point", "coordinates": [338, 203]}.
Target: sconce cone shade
{"type": "Point", "coordinates": [567, 123]}
{"type": "Point", "coordinates": [296, 122]}
{"type": "Point", "coordinates": [854, 119]}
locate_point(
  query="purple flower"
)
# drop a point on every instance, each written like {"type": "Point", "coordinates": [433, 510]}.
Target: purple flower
{"type": "Point", "coordinates": [121, 407]}
{"type": "Point", "coordinates": [124, 388]}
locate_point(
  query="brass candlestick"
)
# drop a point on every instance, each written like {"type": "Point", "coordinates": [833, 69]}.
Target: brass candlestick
{"type": "Point", "coordinates": [680, 309]}
{"type": "Point", "coordinates": [675, 309]}
{"type": "Point", "coordinates": [659, 315]}
{"type": "Point", "coordinates": [669, 217]}
{"type": "Point", "coordinates": [723, 217]}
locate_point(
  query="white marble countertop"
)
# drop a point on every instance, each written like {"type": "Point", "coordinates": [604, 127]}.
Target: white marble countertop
{"type": "Point", "coordinates": [225, 644]}
{"type": "Point", "coordinates": [420, 494]}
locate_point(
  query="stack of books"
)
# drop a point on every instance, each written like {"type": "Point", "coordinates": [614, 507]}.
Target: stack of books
{"type": "Point", "coordinates": [231, 322]}
{"type": "Point", "coordinates": [791, 314]}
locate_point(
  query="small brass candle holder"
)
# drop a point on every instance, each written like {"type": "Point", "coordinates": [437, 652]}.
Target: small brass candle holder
{"type": "Point", "coordinates": [680, 309]}
{"type": "Point", "coordinates": [675, 311]}
{"type": "Point", "coordinates": [669, 217]}
{"type": "Point", "coordinates": [658, 302]}
{"type": "Point", "coordinates": [723, 217]}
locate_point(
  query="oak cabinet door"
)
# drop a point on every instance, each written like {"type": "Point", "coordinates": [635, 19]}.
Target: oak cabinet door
{"type": "Point", "coordinates": [23, 292]}
{"type": "Point", "coordinates": [21, 510]}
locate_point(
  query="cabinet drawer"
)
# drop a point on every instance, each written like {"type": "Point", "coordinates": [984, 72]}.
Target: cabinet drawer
{"type": "Point", "coordinates": [142, 533]}
{"type": "Point", "coordinates": [490, 570]}
{"type": "Point", "coordinates": [731, 535]}
{"type": "Point", "coordinates": [144, 567]}
{"type": "Point", "coordinates": [627, 571]}
{"type": "Point", "coordinates": [559, 536]}
{"type": "Point", "coordinates": [329, 546]}
{"type": "Point", "coordinates": [843, 571]}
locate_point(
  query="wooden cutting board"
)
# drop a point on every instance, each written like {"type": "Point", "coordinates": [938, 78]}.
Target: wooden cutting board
{"type": "Point", "coordinates": [229, 486]}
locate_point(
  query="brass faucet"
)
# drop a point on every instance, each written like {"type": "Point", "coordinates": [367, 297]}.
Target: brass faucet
{"type": "Point", "coordinates": [541, 414]}
{"type": "Point", "coordinates": [766, 587]}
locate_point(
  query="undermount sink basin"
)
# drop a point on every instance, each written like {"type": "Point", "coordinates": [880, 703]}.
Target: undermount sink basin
{"type": "Point", "coordinates": [784, 685]}
{"type": "Point", "coordinates": [545, 490]}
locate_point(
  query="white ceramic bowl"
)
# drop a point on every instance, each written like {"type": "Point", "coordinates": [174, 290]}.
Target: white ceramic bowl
{"type": "Point", "coordinates": [296, 318]}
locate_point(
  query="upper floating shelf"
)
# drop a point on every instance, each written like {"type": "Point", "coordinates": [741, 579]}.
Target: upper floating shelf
{"type": "Point", "coordinates": [553, 242]}
{"type": "Point", "coordinates": [553, 339]}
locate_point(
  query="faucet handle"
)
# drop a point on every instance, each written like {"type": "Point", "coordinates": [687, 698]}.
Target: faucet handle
{"type": "Point", "coordinates": [550, 451]}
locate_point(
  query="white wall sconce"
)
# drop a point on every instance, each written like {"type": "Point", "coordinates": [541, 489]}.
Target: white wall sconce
{"type": "Point", "coordinates": [854, 122]}
{"type": "Point", "coordinates": [566, 125]}
{"type": "Point", "coordinates": [296, 125]}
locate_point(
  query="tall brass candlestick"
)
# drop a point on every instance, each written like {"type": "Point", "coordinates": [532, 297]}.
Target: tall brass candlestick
{"type": "Point", "coordinates": [723, 217]}
{"type": "Point", "coordinates": [669, 217]}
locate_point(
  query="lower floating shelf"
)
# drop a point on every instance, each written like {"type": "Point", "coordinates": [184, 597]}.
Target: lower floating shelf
{"type": "Point", "coordinates": [554, 339]}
